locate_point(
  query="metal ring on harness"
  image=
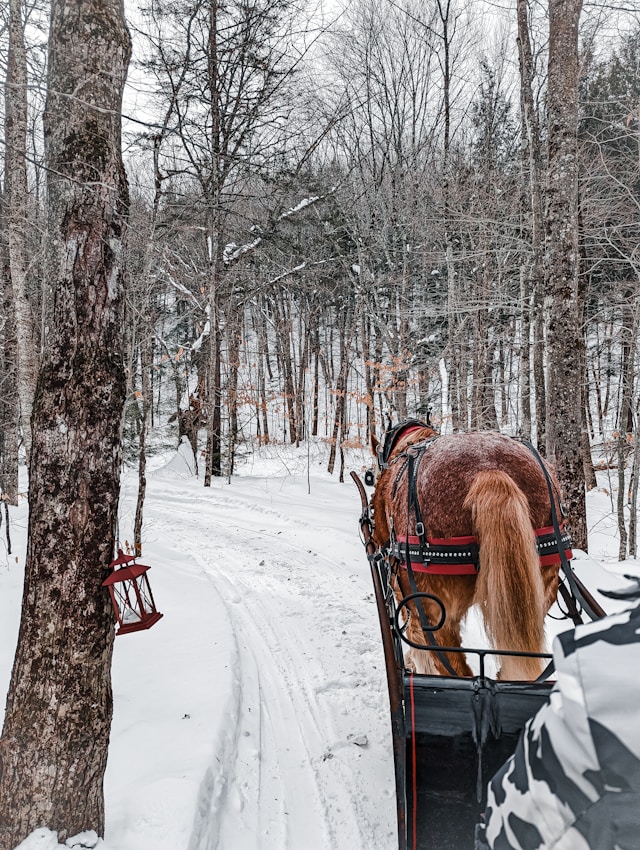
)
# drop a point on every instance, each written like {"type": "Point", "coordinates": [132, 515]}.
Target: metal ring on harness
{"type": "Point", "coordinates": [400, 628]}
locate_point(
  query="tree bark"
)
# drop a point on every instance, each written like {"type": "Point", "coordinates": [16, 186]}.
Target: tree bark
{"type": "Point", "coordinates": [16, 198]}
{"type": "Point", "coordinates": [215, 186]}
{"type": "Point", "coordinates": [234, 336]}
{"type": "Point", "coordinates": [339, 420]}
{"type": "Point", "coordinates": [146, 364]}
{"type": "Point", "coordinates": [565, 339]}
{"type": "Point", "coordinates": [54, 743]}
{"type": "Point", "coordinates": [625, 412]}
{"type": "Point", "coordinates": [9, 408]}
{"type": "Point", "coordinates": [533, 160]}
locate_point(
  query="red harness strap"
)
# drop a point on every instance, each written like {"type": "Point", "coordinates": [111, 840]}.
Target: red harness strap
{"type": "Point", "coordinates": [548, 546]}
{"type": "Point", "coordinates": [458, 556]}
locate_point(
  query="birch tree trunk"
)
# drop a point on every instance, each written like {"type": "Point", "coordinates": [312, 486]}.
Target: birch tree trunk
{"type": "Point", "coordinates": [16, 199]}
{"type": "Point", "coordinates": [625, 415]}
{"type": "Point", "coordinates": [565, 338]}
{"type": "Point", "coordinates": [53, 749]}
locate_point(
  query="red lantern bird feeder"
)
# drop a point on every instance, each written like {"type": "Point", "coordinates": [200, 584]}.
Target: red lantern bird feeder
{"type": "Point", "coordinates": [131, 594]}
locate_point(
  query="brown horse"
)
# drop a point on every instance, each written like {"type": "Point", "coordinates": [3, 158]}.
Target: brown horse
{"type": "Point", "coordinates": [482, 489]}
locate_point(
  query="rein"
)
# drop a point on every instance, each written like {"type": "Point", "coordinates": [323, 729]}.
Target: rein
{"type": "Point", "coordinates": [412, 502]}
{"type": "Point", "coordinates": [453, 556]}
{"type": "Point", "coordinates": [578, 590]}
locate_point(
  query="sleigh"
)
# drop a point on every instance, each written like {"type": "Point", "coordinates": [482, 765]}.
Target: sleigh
{"type": "Point", "coordinates": [451, 733]}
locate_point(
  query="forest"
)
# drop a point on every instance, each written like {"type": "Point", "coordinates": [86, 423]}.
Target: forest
{"type": "Point", "coordinates": [323, 220]}
{"type": "Point", "coordinates": [337, 220]}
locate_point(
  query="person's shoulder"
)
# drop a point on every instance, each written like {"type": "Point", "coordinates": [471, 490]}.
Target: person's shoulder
{"type": "Point", "coordinates": [620, 629]}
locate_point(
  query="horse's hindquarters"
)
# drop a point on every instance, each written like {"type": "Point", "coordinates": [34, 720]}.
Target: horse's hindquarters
{"type": "Point", "coordinates": [453, 596]}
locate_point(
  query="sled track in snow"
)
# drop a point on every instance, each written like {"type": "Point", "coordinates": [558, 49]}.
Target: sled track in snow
{"type": "Point", "coordinates": [294, 710]}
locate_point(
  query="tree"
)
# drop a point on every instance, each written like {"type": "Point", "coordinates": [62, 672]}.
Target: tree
{"type": "Point", "coordinates": [16, 215]}
{"type": "Point", "coordinates": [533, 272]}
{"type": "Point", "coordinates": [225, 72]}
{"type": "Point", "coordinates": [385, 58]}
{"type": "Point", "coordinates": [610, 202]}
{"type": "Point", "coordinates": [54, 743]}
{"type": "Point", "coordinates": [565, 338]}
{"type": "Point", "coordinates": [9, 408]}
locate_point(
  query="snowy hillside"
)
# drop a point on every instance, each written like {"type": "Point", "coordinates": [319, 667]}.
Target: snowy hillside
{"type": "Point", "coordinates": [254, 714]}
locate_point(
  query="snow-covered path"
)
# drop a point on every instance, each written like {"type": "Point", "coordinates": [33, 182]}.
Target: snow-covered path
{"type": "Point", "coordinates": [297, 753]}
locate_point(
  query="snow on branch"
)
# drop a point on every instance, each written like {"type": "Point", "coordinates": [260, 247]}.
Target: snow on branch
{"type": "Point", "coordinates": [181, 288]}
{"type": "Point", "coordinates": [197, 345]}
{"type": "Point", "coordinates": [233, 252]}
{"type": "Point", "coordinates": [306, 202]}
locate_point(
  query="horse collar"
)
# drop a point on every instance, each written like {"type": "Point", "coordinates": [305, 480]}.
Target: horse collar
{"type": "Point", "coordinates": [392, 437]}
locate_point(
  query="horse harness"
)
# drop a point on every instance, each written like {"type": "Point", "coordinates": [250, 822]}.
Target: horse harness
{"type": "Point", "coordinates": [452, 555]}
{"type": "Point", "coordinates": [393, 436]}
{"type": "Point", "coordinates": [460, 555]}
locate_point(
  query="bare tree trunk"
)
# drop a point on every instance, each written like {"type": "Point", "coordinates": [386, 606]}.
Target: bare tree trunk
{"type": "Point", "coordinates": [539, 375]}
{"type": "Point", "coordinates": [263, 357]}
{"type": "Point", "coordinates": [146, 358]}
{"type": "Point", "coordinates": [633, 504]}
{"type": "Point", "coordinates": [525, 356]}
{"type": "Point", "coordinates": [532, 154]}
{"type": "Point", "coordinates": [565, 339]}
{"type": "Point", "coordinates": [625, 413]}
{"type": "Point", "coordinates": [282, 319]}
{"type": "Point", "coordinates": [54, 743]}
{"type": "Point", "coordinates": [339, 419]}
{"type": "Point", "coordinates": [213, 465]}
{"type": "Point", "coordinates": [215, 186]}
{"type": "Point", "coordinates": [316, 381]}
{"type": "Point", "coordinates": [403, 353]}
{"type": "Point", "coordinates": [301, 383]}
{"type": "Point", "coordinates": [16, 198]}
{"type": "Point", "coordinates": [234, 335]}
{"type": "Point", "coordinates": [368, 375]}
{"type": "Point", "coordinates": [454, 344]}
{"type": "Point", "coordinates": [589, 471]}
{"type": "Point", "coordinates": [340, 395]}
{"type": "Point", "coordinates": [9, 407]}
{"type": "Point", "coordinates": [483, 411]}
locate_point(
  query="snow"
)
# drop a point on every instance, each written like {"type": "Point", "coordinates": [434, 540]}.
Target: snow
{"type": "Point", "coordinates": [232, 252]}
{"type": "Point", "coordinates": [255, 713]}
{"type": "Point", "coordinates": [305, 202]}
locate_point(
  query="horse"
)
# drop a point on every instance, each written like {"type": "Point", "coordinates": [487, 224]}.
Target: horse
{"type": "Point", "coordinates": [481, 497]}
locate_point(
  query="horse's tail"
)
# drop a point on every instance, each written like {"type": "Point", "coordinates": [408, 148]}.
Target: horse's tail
{"type": "Point", "coordinates": [509, 588]}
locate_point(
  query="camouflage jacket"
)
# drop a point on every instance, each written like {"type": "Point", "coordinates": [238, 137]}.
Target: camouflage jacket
{"type": "Point", "coordinates": [573, 782]}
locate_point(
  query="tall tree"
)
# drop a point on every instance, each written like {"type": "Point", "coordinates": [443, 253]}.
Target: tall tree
{"type": "Point", "coordinates": [533, 271]}
{"type": "Point", "coordinates": [9, 413]}
{"type": "Point", "coordinates": [225, 69]}
{"type": "Point", "coordinates": [16, 220]}
{"type": "Point", "coordinates": [54, 743]}
{"type": "Point", "coordinates": [565, 337]}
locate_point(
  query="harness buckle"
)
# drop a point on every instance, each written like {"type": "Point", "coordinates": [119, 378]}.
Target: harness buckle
{"type": "Point", "coordinates": [420, 529]}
